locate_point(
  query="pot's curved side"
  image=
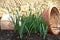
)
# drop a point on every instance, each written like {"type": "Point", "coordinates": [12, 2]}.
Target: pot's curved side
{"type": "Point", "coordinates": [47, 17]}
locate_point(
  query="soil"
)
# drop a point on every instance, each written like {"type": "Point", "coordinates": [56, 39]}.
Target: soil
{"type": "Point", "coordinates": [11, 35]}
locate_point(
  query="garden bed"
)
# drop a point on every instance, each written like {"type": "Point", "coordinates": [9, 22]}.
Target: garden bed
{"type": "Point", "coordinates": [11, 35]}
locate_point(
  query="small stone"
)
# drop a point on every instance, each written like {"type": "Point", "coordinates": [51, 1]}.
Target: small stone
{"type": "Point", "coordinates": [8, 39]}
{"type": "Point", "coordinates": [11, 34]}
{"type": "Point", "coordinates": [26, 36]}
{"type": "Point", "coordinates": [18, 37]}
{"type": "Point", "coordinates": [7, 34]}
{"type": "Point", "coordinates": [38, 34]}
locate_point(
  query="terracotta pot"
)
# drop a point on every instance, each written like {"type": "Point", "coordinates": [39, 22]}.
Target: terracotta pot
{"type": "Point", "coordinates": [0, 22]}
{"type": "Point", "coordinates": [51, 16]}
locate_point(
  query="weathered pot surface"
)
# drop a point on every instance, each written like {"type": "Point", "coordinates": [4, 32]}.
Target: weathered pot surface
{"type": "Point", "coordinates": [51, 15]}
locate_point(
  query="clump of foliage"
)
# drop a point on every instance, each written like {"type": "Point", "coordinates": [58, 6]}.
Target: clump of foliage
{"type": "Point", "coordinates": [17, 23]}
{"type": "Point", "coordinates": [35, 23]}
{"type": "Point", "coordinates": [43, 28]}
{"type": "Point", "coordinates": [30, 23]}
{"type": "Point", "coordinates": [28, 20]}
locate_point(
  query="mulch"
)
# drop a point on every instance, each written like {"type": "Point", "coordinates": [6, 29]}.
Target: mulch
{"type": "Point", "coordinates": [11, 35]}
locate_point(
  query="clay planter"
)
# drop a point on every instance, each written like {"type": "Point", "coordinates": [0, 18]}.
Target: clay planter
{"type": "Point", "coordinates": [5, 23]}
{"type": "Point", "coordinates": [0, 22]}
{"type": "Point", "coordinates": [51, 16]}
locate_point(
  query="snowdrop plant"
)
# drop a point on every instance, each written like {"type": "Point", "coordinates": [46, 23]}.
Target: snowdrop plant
{"type": "Point", "coordinates": [17, 23]}
{"type": "Point", "coordinates": [43, 28]}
